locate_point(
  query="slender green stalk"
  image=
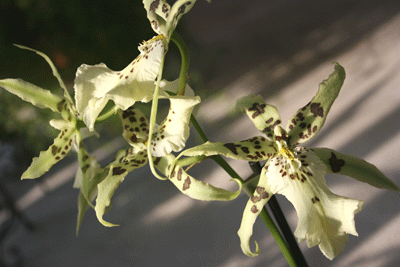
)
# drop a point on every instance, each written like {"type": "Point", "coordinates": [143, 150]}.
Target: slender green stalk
{"type": "Point", "coordinates": [177, 39]}
{"type": "Point", "coordinates": [153, 116]}
{"type": "Point", "coordinates": [278, 237]}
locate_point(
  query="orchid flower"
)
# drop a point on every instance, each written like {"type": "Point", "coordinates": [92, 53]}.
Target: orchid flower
{"type": "Point", "coordinates": [169, 136]}
{"type": "Point", "coordinates": [164, 18]}
{"type": "Point", "coordinates": [70, 133]}
{"type": "Point", "coordinates": [298, 172]}
{"type": "Point", "coordinates": [95, 85]}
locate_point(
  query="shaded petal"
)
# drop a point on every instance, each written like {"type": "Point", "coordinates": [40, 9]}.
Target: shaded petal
{"type": "Point", "coordinates": [255, 204]}
{"type": "Point", "coordinates": [163, 18]}
{"type": "Point", "coordinates": [95, 85]}
{"type": "Point", "coordinates": [172, 87]}
{"type": "Point", "coordinates": [135, 125]}
{"type": "Point", "coordinates": [60, 148]}
{"type": "Point", "coordinates": [324, 217]}
{"type": "Point", "coordinates": [254, 149]}
{"type": "Point", "coordinates": [33, 94]}
{"type": "Point", "coordinates": [265, 117]}
{"type": "Point", "coordinates": [173, 132]}
{"type": "Point", "coordinates": [190, 186]}
{"type": "Point", "coordinates": [309, 119]}
{"type": "Point", "coordinates": [125, 162]}
{"type": "Point", "coordinates": [354, 167]}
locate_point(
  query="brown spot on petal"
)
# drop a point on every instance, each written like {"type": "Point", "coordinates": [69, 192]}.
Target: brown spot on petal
{"type": "Point", "coordinates": [118, 171]}
{"type": "Point", "coordinates": [254, 209]}
{"type": "Point", "coordinates": [336, 164]}
{"type": "Point", "coordinates": [186, 185]}
{"type": "Point", "coordinates": [258, 108]}
{"type": "Point", "coordinates": [317, 110]}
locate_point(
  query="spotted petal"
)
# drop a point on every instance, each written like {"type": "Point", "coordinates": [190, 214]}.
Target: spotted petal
{"type": "Point", "coordinates": [163, 18]}
{"type": "Point", "coordinates": [255, 204]}
{"type": "Point", "coordinates": [255, 149]}
{"type": "Point", "coordinates": [60, 148]}
{"type": "Point", "coordinates": [354, 167]}
{"type": "Point", "coordinates": [190, 186]}
{"type": "Point", "coordinates": [95, 85]}
{"type": "Point", "coordinates": [309, 119]}
{"type": "Point", "coordinates": [125, 162]}
{"type": "Point", "coordinates": [34, 94]}
{"type": "Point", "coordinates": [173, 132]}
{"type": "Point", "coordinates": [324, 218]}
{"type": "Point", "coordinates": [265, 117]}
{"type": "Point", "coordinates": [135, 125]}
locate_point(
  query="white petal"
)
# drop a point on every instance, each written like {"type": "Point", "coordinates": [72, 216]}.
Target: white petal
{"type": "Point", "coordinates": [174, 130]}
{"type": "Point", "coordinates": [95, 85]}
{"type": "Point", "coordinates": [324, 217]}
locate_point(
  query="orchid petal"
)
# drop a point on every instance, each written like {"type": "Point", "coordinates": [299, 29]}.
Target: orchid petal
{"type": "Point", "coordinates": [34, 94]}
{"type": "Point", "coordinates": [60, 148]}
{"type": "Point", "coordinates": [324, 217]}
{"type": "Point", "coordinates": [265, 117]}
{"type": "Point", "coordinates": [190, 186]}
{"type": "Point", "coordinates": [173, 132]}
{"type": "Point", "coordinates": [255, 149]}
{"type": "Point", "coordinates": [95, 85]}
{"type": "Point", "coordinates": [163, 17]}
{"type": "Point", "coordinates": [309, 119]}
{"type": "Point", "coordinates": [125, 162]}
{"type": "Point", "coordinates": [135, 125]}
{"type": "Point", "coordinates": [255, 204]}
{"type": "Point", "coordinates": [354, 167]}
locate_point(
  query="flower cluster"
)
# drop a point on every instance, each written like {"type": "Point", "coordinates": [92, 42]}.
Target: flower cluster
{"type": "Point", "coordinates": [294, 171]}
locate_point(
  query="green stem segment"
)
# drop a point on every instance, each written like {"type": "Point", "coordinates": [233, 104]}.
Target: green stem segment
{"type": "Point", "coordinates": [183, 76]}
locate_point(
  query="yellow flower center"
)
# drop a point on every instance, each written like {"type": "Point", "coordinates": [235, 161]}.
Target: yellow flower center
{"type": "Point", "coordinates": [285, 151]}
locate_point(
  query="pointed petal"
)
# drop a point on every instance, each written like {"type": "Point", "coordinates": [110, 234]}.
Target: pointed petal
{"type": "Point", "coordinates": [163, 18]}
{"type": "Point", "coordinates": [354, 167]}
{"type": "Point", "coordinates": [53, 68]}
{"type": "Point", "coordinates": [257, 201]}
{"type": "Point", "coordinates": [34, 94]}
{"type": "Point", "coordinates": [135, 125]}
{"type": "Point", "coordinates": [56, 152]}
{"type": "Point", "coordinates": [324, 217]}
{"type": "Point", "coordinates": [173, 132]}
{"type": "Point", "coordinates": [265, 117]}
{"type": "Point", "coordinates": [309, 119]}
{"type": "Point", "coordinates": [126, 161]}
{"type": "Point", "coordinates": [95, 85]}
{"type": "Point", "coordinates": [191, 187]}
{"type": "Point", "coordinates": [255, 149]}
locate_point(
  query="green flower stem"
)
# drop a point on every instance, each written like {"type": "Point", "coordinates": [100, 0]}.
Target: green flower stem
{"type": "Point", "coordinates": [153, 116]}
{"type": "Point", "coordinates": [183, 76]}
{"type": "Point", "coordinates": [107, 114]}
{"type": "Point", "coordinates": [278, 237]}
{"type": "Point", "coordinates": [283, 225]}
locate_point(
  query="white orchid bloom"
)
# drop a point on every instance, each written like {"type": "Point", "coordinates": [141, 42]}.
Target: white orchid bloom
{"type": "Point", "coordinates": [95, 85]}
{"type": "Point", "coordinates": [325, 219]}
{"type": "Point", "coordinates": [169, 136]}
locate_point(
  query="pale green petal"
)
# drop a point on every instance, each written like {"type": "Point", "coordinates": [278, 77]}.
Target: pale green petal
{"type": "Point", "coordinates": [255, 149]}
{"type": "Point", "coordinates": [95, 85]}
{"type": "Point", "coordinates": [254, 205]}
{"type": "Point", "coordinates": [135, 124]}
{"type": "Point", "coordinates": [163, 18]}
{"type": "Point", "coordinates": [172, 87]}
{"type": "Point", "coordinates": [60, 148]}
{"type": "Point", "coordinates": [34, 94]}
{"type": "Point", "coordinates": [53, 68]}
{"type": "Point", "coordinates": [190, 186]}
{"type": "Point", "coordinates": [173, 132]}
{"type": "Point", "coordinates": [265, 117]}
{"type": "Point", "coordinates": [325, 219]}
{"type": "Point", "coordinates": [309, 119]}
{"type": "Point", "coordinates": [125, 162]}
{"type": "Point", "coordinates": [354, 167]}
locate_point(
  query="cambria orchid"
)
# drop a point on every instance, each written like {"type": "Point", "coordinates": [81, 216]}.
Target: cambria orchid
{"type": "Point", "coordinates": [297, 172]}
{"type": "Point", "coordinates": [170, 135]}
